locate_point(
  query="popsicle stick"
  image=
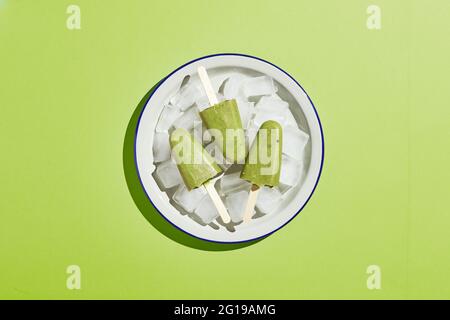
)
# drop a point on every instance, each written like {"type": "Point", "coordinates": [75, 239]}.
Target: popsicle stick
{"type": "Point", "coordinates": [212, 192]}
{"type": "Point", "coordinates": [207, 85]}
{"type": "Point", "coordinates": [251, 202]}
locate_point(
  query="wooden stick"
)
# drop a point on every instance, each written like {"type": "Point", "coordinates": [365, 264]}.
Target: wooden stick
{"type": "Point", "coordinates": [212, 192]}
{"type": "Point", "coordinates": [251, 202]}
{"type": "Point", "coordinates": [209, 186]}
{"type": "Point", "coordinates": [207, 85]}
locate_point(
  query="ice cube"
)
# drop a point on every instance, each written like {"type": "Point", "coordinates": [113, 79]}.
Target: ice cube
{"type": "Point", "coordinates": [271, 104]}
{"type": "Point", "coordinates": [294, 142]}
{"type": "Point", "coordinates": [168, 115]}
{"type": "Point", "coordinates": [168, 174]}
{"type": "Point", "coordinates": [235, 203]}
{"type": "Point", "coordinates": [161, 147]}
{"type": "Point", "coordinates": [232, 86]}
{"type": "Point", "coordinates": [291, 171]}
{"type": "Point", "coordinates": [276, 96]}
{"type": "Point", "coordinates": [201, 133]}
{"type": "Point", "coordinates": [250, 133]}
{"type": "Point", "coordinates": [217, 81]}
{"type": "Point", "coordinates": [290, 120]}
{"type": "Point", "coordinates": [186, 96]}
{"type": "Point", "coordinates": [232, 182]}
{"type": "Point", "coordinates": [206, 210]}
{"type": "Point", "coordinates": [202, 102]}
{"type": "Point", "coordinates": [217, 154]}
{"type": "Point", "coordinates": [268, 199]}
{"type": "Point", "coordinates": [283, 188]}
{"type": "Point", "coordinates": [271, 108]}
{"type": "Point", "coordinates": [188, 119]}
{"type": "Point", "coordinates": [263, 116]}
{"type": "Point", "coordinates": [246, 110]}
{"type": "Point", "coordinates": [188, 200]}
{"type": "Point", "coordinates": [258, 86]}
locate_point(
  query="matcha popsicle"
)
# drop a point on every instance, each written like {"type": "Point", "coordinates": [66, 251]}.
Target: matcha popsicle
{"type": "Point", "coordinates": [197, 167]}
{"type": "Point", "coordinates": [263, 163]}
{"type": "Point", "coordinates": [223, 122]}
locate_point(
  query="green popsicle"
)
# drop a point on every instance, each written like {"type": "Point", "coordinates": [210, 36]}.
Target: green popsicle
{"type": "Point", "coordinates": [224, 123]}
{"type": "Point", "coordinates": [263, 163]}
{"type": "Point", "coordinates": [196, 166]}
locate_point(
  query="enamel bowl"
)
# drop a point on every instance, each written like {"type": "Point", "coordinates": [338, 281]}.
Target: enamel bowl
{"type": "Point", "coordinates": [304, 113]}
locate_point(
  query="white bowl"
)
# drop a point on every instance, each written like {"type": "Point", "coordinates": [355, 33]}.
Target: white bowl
{"type": "Point", "coordinates": [300, 105]}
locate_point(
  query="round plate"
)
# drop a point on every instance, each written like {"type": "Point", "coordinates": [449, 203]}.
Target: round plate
{"type": "Point", "coordinates": [303, 111]}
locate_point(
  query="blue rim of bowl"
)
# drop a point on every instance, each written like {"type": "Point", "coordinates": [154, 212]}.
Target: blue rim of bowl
{"type": "Point", "coordinates": [217, 55]}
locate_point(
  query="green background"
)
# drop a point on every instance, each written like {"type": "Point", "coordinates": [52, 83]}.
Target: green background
{"type": "Point", "coordinates": [67, 96]}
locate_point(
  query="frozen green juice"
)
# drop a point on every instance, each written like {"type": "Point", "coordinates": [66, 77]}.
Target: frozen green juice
{"type": "Point", "coordinates": [224, 124]}
{"type": "Point", "coordinates": [196, 166]}
{"type": "Point", "coordinates": [263, 163]}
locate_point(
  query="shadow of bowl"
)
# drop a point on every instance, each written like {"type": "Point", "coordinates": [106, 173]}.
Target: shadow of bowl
{"type": "Point", "coordinates": [142, 201]}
